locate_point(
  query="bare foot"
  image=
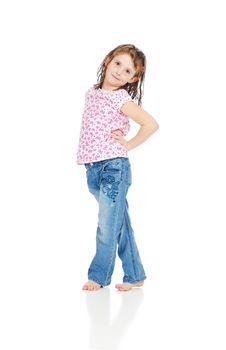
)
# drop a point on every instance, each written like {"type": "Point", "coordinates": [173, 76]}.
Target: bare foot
{"type": "Point", "coordinates": [91, 286]}
{"type": "Point", "coordinates": [128, 286]}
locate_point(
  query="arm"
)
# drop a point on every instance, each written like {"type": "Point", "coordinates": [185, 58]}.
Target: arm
{"type": "Point", "coordinates": [148, 125]}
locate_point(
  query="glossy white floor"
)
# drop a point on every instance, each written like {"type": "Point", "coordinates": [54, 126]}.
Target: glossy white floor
{"type": "Point", "coordinates": [182, 304]}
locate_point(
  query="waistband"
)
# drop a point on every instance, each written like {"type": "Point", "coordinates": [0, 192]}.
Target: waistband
{"type": "Point", "coordinates": [101, 162]}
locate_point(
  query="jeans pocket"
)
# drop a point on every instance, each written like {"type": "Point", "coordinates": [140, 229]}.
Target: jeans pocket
{"type": "Point", "coordinates": [111, 177]}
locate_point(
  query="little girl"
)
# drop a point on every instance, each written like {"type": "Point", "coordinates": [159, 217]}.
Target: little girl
{"type": "Point", "coordinates": [103, 150]}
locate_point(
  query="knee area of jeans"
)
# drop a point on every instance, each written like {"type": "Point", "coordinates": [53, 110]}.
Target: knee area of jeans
{"type": "Point", "coordinates": [105, 236]}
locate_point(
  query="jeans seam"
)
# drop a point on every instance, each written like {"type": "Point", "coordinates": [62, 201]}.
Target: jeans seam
{"type": "Point", "coordinates": [132, 255]}
{"type": "Point", "coordinates": [109, 266]}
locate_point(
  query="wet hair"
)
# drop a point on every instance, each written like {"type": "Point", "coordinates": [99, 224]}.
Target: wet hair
{"type": "Point", "coordinates": [135, 89]}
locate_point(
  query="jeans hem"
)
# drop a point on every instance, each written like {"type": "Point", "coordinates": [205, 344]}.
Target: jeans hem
{"type": "Point", "coordinates": [126, 280]}
{"type": "Point", "coordinates": [97, 281]}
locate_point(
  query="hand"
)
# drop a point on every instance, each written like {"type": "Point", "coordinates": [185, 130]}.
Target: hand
{"type": "Point", "coordinates": [118, 136]}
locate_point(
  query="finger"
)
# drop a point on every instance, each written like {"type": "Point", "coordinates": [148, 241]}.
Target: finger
{"type": "Point", "coordinates": [118, 132]}
{"type": "Point", "coordinates": [116, 136]}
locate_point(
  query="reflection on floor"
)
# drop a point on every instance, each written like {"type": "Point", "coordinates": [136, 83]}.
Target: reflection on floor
{"type": "Point", "coordinates": [107, 332]}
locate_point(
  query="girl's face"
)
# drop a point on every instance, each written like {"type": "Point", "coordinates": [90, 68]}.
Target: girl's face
{"type": "Point", "coordinates": [119, 71]}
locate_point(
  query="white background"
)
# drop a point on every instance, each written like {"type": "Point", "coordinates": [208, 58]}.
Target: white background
{"type": "Point", "coordinates": [50, 52]}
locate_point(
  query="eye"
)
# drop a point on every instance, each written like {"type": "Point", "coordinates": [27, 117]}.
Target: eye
{"type": "Point", "coordinates": [128, 71]}
{"type": "Point", "coordinates": [117, 63]}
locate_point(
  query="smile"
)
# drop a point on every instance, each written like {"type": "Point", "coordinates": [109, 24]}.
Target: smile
{"type": "Point", "coordinates": [115, 77]}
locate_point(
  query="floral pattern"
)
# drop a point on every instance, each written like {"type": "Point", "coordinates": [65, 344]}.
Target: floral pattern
{"type": "Point", "coordinates": [101, 116]}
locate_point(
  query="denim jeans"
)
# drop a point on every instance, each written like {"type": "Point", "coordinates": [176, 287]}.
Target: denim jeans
{"type": "Point", "coordinates": [109, 180]}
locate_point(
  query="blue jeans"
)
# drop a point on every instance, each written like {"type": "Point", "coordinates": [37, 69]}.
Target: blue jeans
{"type": "Point", "coordinates": [109, 180]}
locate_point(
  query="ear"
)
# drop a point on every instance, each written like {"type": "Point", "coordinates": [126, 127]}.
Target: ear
{"type": "Point", "coordinates": [106, 60]}
{"type": "Point", "coordinates": [133, 80]}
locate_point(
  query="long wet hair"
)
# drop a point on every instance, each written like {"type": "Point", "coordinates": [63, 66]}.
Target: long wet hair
{"type": "Point", "coordinates": [136, 89]}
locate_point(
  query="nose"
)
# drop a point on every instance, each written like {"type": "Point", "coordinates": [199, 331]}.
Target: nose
{"type": "Point", "coordinates": [118, 71]}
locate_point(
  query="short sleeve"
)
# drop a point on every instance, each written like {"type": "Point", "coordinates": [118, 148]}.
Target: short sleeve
{"type": "Point", "coordinates": [123, 98]}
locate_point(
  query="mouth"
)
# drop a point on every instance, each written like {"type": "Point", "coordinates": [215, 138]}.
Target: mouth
{"type": "Point", "coordinates": [115, 77]}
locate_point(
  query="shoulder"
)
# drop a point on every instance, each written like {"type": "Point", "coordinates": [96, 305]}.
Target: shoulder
{"type": "Point", "coordinates": [122, 96]}
{"type": "Point", "coordinates": [91, 94]}
{"type": "Point", "coordinates": [91, 90]}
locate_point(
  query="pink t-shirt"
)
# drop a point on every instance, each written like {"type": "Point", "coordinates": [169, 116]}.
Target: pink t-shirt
{"type": "Point", "coordinates": [102, 115]}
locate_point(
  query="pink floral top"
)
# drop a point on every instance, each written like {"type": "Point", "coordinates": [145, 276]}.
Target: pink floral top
{"type": "Point", "coordinates": [102, 115]}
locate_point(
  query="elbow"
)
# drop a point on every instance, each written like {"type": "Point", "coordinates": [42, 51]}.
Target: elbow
{"type": "Point", "coordinates": [153, 127]}
{"type": "Point", "coordinates": [156, 126]}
